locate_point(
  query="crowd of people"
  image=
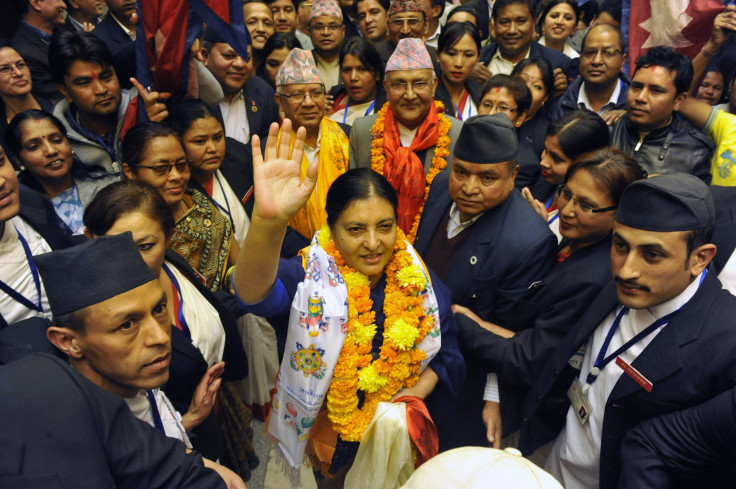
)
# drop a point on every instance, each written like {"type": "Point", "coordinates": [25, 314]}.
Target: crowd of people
{"type": "Point", "coordinates": [454, 224]}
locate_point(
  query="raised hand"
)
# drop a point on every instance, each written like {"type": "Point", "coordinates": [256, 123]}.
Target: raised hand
{"type": "Point", "coordinates": [204, 397]}
{"type": "Point", "coordinates": [279, 189]}
{"type": "Point", "coordinates": [155, 102]}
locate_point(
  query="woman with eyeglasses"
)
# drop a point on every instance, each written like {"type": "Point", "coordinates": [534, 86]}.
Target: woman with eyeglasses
{"type": "Point", "coordinates": [558, 21]}
{"type": "Point", "coordinates": [36, 142]}
{"type": "Point", "coordinates": [458, 49]}
{"type": "Point", "coordinates": [574, 134]}
{"type": "Point", "coordinates": [154, 154]}
{"type": "Point", "coordinates": [510, 96]}
{"type": "Point", "coordinates": [361, 92]}
{"type": "Point", "coordinates": [15, 88]}
{"type": "Point", "coordinates": [588, 198]}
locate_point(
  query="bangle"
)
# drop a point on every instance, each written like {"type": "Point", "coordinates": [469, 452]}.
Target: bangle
{"type": "Point", "coordinates": [228, 276]}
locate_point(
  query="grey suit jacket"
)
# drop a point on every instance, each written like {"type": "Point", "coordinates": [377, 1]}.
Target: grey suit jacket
{"type": "Point", "coordinates": [360, 142]}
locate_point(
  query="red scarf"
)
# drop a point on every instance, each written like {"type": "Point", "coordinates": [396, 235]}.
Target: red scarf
{"type": "Point", "coordinates": [403, 169]}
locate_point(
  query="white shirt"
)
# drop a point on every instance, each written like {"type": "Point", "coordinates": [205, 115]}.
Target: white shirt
{"type": "Point", "coordinates": [575, 457]}
{"type": "Point", "coordinates": [583, 101]}
{"type": "Point", "coordinates": [170, 417]}
{"type": "Point", "coordinates": [313, 153]}
{"type": "Point", "coordinates": [236, 118]}
{"type": "Point", "coordinates": [203, 320]}
{"type": "Point", "coordinates": [406, 135]}
{"type": "Point", "coordinates": [568, 50]}
{"type": "Point", "coordinates": [500, 65]}
{"type": "Point", "coordinates": [16, 272]}
{"type": "Point", "coordinates": [432, 40]}
{"type": "Point", "coordinates": [454, 225]}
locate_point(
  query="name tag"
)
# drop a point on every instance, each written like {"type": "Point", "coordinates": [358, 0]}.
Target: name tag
{"type": "Point", "coordinates": [634, 374]}
{"type": "Point", "coordinates": [579, 402]}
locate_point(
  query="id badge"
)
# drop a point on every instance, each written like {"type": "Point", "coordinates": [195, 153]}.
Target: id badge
{"type": "Point", "coordinates": [579, 402]}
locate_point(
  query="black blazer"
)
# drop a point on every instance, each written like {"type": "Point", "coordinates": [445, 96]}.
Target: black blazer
{"type": "Point", "coordinates": [542, 319]}
{"type": "Point", "coordinates": [689, 361]}
{"type": "Point", "coordinates": [260, 105]}
{"type": "Point", "coordinates": [58, 429]}
{"type": "Point", "coordinates": [35, 52]}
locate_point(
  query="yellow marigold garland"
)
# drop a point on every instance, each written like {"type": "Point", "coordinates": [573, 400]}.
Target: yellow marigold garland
{"type": "Point", "coordinates": [405, 326]}
{"type": "Point", "coordinates": [439, 162]}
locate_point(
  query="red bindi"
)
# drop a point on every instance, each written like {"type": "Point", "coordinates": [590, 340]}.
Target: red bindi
{"type": "Point", "coordinates": [93, 75]}
{"type": "Point", "coordinates": [498, 89]}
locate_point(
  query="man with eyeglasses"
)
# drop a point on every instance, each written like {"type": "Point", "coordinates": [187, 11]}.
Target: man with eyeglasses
{"type": "Point", "coordinates": [418, 138]}
{"type": "Point", "coordinates": [652, 131]}
{"type": "Point", "coordinates": [300, 93]}
{"type": "Point", "coordinates": [483, 240]}
{"type": "Point", "coordinates": [248, 106]}
{"type": "Point", "coordinates": [32, 39]}
{"type": "Point", "coordinates": [600, 88]}
{"type": "Point", "coordinates": [327, 31]}
{"type": "Point", "coordinates": [406, 19]}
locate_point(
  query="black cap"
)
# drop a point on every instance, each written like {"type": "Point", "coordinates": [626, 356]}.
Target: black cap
{"type": "Point", "coordinates": [487, 139]}
{"type": "Point", "coordinates": [665, 203]}
{"type": "Point", "coordinates": [92, 272]}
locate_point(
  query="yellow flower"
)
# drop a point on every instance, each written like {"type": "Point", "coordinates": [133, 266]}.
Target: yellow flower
{"type": "Point", "coordinates": [369, 380]}
{"type": "Point", "coordinates": [324, 236]}
{"type": "Point", "coordinates": [363, 334]}
{"type": "Point", "coordinates": [411, 275]}
{"type": "Point", "coordinates": [356, 279]}
{"type": "Point", "coordinates": [402, 335]}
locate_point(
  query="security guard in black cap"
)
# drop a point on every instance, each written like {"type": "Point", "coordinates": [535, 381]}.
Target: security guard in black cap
{"type": "Point", "coordinates": [660, 338]}
{"type": "Point", "coordinates": [487, 245]}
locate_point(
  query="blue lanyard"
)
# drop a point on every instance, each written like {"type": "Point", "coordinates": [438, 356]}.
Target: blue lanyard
{"type": "Point", "coordinates": [601, 361]}
{"type": "Point", "coordinates": [549, 202]}
{"type": "Point", "coordinates": [180, 312]}
{"type": "Point", "coordinates": [36, 280]}
{"type": "Point", "coordinates": [554, 218]}
{"type": "Point", "coordinates": [347, 104]}
{"type": "Point", "coordinates": [154, 412]}
{"type": "Point", "coordinates": [459, 113]}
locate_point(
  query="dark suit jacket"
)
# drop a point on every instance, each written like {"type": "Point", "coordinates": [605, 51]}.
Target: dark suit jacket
{"type": "Point", "coordinates": [481, 16]}
{"type": "Point", "coordinates": [121, 46]}
{"type": "Point", "coordinates": [512, 246]}
{"type": "Point", "coordinates": [689, 361]}
{"type": "Point", "coordinates": [693, 448]}
{"type": "Point", "coordinates": [473, 87]}
{"type": "Point", "coordinates": [35, 52]}
{"type": "Point", "coordinates": [542, 319]}
{"type": "Point", "coordinates": [260, 106]}
{"type": "Point", "coordinates": [724, 236]}
{"type": "Point", "coordinates": [57, 429]}
{"type": "Point", "coordinates": [555, 58]}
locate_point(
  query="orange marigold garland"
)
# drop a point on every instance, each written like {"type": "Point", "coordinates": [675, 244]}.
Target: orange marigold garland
{"type": "Point", "coordinates": [405, 326]}
{"type": "Point", "coordinates": [439, 161]}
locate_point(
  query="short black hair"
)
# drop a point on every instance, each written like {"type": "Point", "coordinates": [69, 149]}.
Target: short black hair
{"type": "Point", "coordinates": [462, 8]}
{"type": "Point", "coordinates": [14, 135]}
{"type": "Point", "coordinates": [293, 2]}
{"type": "Point", "coordinates": [366, 52]}
{"type": "Point", "coordinates": [696, 238]}
{"type": "Point", "coordinates": [612, 8]}
{"type": "Point", "coordinates": [505, 3]}
{"type": "Point", "coordinates": [357, 184]}
{"type": "Point", "coordinates": [667, 57]}
{"type": "Point", "coordinates": [182, 115]}
{"type": "Point", "coordinates": [73, 320]}
{"type": "Point", "coordinates": [67, 47]}
{"type": "Point", "coordinates": [137, 138]}
{"type": "Point", "coordinates": [519, 90]}
{"type": "Point", "coordinates": [454, 31]}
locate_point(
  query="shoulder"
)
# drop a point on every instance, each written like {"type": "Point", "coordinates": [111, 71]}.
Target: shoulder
{"type": "Point", "coordinates": [555, 58]}
{"type": "Point", "coordinates": [487, 52]}
{"type": "Point", "coordinates": [683, 128]}
{"type": "Point", "coordinates": [520, 214]}
{"type": "Point", "coordinates": [258, 85]}
{"type": "Point", "coordinates": [364, 124]}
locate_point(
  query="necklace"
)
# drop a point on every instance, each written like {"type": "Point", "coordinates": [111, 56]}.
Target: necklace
{"type": "Point", "coordinates": [378, 157]}
{"type": "Point", "coordinates": [405, 326]}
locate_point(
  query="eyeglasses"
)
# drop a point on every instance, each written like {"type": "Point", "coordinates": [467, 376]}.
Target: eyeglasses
{"type": "Point", "coordinates": [6, 70]}
{"type": "Point", "coordinates": [402, 22]}
{"type": "Point", "coordinates": [299, 97]}
{"type": "Point", "coordinates": [489, 106]}
{"type": "Point", "coordinates": [329, 27]}
{"type": "Point", "coordinates": [564, 196]}
{"type": "Point", "coordinates": [605, 53]}
{"type": "Point", "coordinates": [417, 86]}
{"type": "Point", "coordinates": [161, 170]}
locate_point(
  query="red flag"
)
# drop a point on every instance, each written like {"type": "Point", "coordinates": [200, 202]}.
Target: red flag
{"type": "Point", "coordinates": [684, 25]}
